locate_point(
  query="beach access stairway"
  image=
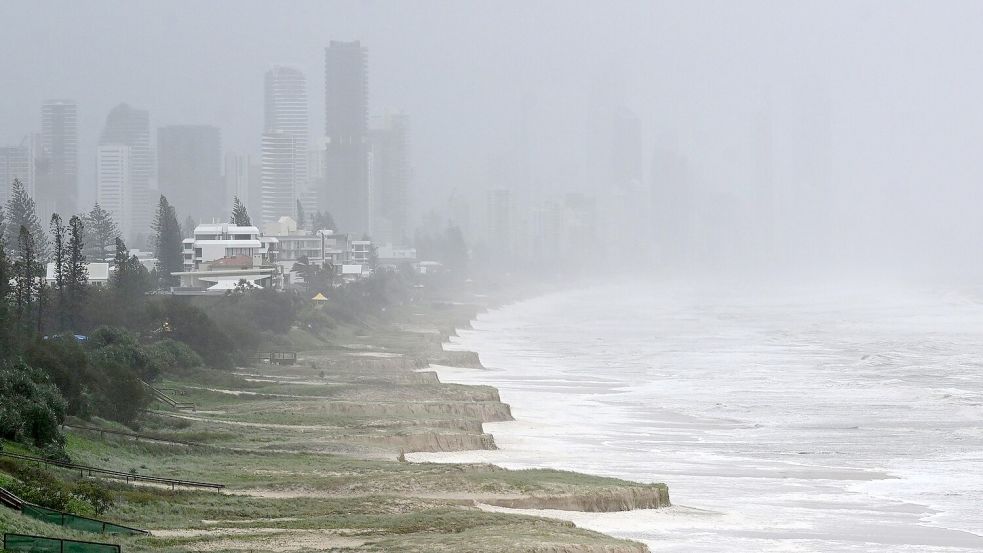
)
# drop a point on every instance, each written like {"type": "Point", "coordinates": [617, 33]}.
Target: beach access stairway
{"type": "Point", "coordinates": [159, 395]}
{"type": "Point", "coordinates": [115, 474]}
{"type": "Point", "coordinates": [9, 500]}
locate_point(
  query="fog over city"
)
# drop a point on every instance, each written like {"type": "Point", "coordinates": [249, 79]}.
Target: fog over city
{"type": "Point", "coordinates": [696, 276]}
{"type": "Point", "coordinates": [842, 136]}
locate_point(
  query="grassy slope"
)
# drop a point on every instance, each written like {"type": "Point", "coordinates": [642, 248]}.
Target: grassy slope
{"type": "Point", "coordinates": [303, 464]}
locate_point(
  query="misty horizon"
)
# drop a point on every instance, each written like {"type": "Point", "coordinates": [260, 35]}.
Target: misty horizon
{"type": "Point", "coordinates": [852, 128]}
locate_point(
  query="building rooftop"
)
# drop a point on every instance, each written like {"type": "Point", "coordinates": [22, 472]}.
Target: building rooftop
{"type": "Point", "coordinates": [225, 228]}
{"type": "Point", "coordinates": [229, 241]}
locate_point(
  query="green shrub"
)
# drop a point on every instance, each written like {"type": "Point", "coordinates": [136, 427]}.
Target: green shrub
{"type": "Point", "coordinates": [110, 335]}
{"type": "Point", "coordinates": [171, 354]}
{"type": "Point", "coordinates": [31, 408]}
{"type": "Point", "coordinates": [178, 319]}
{"type": "Point", "coordinates": [94, 494]}
{"type": "Point", "coordinates": [120, 395]}
{"type": "Point", "coordinates": [39, 486]}
{"type": "Point", "coordinates": [65, 361]}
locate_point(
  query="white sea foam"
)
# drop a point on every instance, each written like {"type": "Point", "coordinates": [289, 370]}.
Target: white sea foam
{"type": "Point", "coordinates": [796, 422]}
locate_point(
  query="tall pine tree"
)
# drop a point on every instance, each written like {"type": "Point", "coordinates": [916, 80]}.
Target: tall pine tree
{"type": "Point", "coordinates": [21, 212]}
{"type": "Point", "coordinates": [101, 232]}
{"type": "Point", "coordinates": [25, 272]}
{"type": "Point", "coordinates": [76, 272]}
{"type": "Point", "coordinates": [239, 215]}
{"type": "Point", "coordinates": [167, 243]}
{"type": "Point", "coordinates": [5, 277]}
{"type": "Point", "coordinates": [58, 257]}
{"type": "Point", "coordinates": [130, 280]}
{"type": "Point", "coordinates": [6, 322]}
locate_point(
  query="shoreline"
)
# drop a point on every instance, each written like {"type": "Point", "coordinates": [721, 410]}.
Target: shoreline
{"type": "Point", "coordinates": [310, 453]}
{"type": "Point", "coordinates": [587, 518]}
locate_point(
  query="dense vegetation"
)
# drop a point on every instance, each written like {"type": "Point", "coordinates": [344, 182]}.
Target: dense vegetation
{"type": "Point", "coordinates": [70, 348]}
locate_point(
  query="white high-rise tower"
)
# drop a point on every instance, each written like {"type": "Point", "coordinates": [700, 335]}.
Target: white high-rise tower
{"type": "Point", "coordinates": [114, 187]}
{"type": "Point", "coordinates": [285, 137]}
{"type": "Point", "coordinates": [57, 191]}
{"type": "Point", "coordinates": [128, 126]}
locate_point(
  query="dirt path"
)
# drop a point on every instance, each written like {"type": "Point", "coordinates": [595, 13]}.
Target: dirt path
{"type": "Point", "coordinates": [265, 539]}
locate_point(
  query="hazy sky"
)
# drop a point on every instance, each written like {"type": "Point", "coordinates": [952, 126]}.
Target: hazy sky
{"type": "Point", "coordinates": [892, 88]}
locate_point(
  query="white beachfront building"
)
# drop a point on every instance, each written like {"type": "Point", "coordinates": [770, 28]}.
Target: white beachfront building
{"type": "Point", "coordinates": [220, 255]}
{"type": "Point", "coordinates": [98, 273]}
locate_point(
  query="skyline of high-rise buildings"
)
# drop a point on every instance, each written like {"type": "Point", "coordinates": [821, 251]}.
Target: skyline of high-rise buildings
{"type": "Point", "coordinates": [357, 171]}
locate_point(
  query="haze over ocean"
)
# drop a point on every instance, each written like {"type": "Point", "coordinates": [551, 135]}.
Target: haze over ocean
{"type": "Point", "coordinates": [796, 420]}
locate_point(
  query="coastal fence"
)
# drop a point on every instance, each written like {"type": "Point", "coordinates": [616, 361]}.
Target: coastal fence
{"type": "Point", "coordinates": [76, 522]}
{"type": "Point", "coordinates": [61, 518]}
{"type": "Point", "coordinates": [103, 431]}
{"type": "Point", "coordinates": [41, 544]}
{"type": "Point", "coordinates": [115, 474]}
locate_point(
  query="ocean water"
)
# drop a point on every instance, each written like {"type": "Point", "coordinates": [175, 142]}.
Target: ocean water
{"type": "Point", "coordinates": [781, 420]}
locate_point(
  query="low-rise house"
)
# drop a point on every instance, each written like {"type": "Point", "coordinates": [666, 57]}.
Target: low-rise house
{"type": "Point", "coordinates": [391, 257]}
{"type": "Point", "coordinates": [362, 252]}
{"type": "Point", "coordinates": [98, 273]}
{"type": "Point", "coordinates": [319, 247]}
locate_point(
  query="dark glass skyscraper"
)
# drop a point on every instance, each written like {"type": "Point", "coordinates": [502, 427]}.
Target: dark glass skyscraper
{"type": "Point", "coordinates": [390, 173]}
{"type": "Point", "coordinates": [189, 170]}
{"type": "Point", "coordinates": [346, 114]}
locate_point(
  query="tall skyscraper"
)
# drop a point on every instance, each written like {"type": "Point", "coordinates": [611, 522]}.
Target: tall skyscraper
{"type": "Point", "coordinates": [237, 176]}
{"type": "Point", "coordinates": [17, 162]}
{"type": "Point", "coordinates": [285, 137]}
{"type": "Point", "coordinates": [114, 186]}
{"type": "Point", "coordinates": [390, 174]}
{"type": "Point", "coordinates": [57, 185]}
{"type": "Point", "coordinates": [189, 170]}
{"type": "Point", "coordinates": [130, 127]}
{"type": "Point", "coordinates": [346, 133]}
{"type": "Point", "coordinates": [279, 175]}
